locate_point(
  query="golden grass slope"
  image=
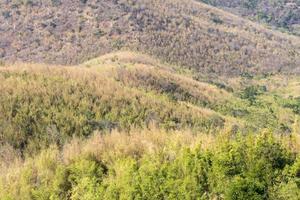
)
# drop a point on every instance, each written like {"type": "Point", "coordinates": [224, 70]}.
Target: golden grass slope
{"type": "Point", "coordinates": [41, 105]}
{"type": "Point", "coordinates": [125, 90]}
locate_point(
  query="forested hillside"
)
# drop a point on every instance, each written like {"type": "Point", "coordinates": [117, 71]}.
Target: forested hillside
{"type": "Point", "coordinates": [283, 14]}
{"type": "Point", "coordinates": [149, 100]}
{"type": "Point", "coordinates": [185, 33]}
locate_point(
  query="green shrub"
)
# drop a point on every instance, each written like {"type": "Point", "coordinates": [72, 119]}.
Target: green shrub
{"type": "Point", "coordinates": [244, 188]}
{"type": "Point", "coordinates": [85, 177]}
{"type": "Point", "coordinates": [250, 93]}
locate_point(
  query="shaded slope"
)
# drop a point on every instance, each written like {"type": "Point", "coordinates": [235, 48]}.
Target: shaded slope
{"type": "Point", "coordinates": [184, 33]}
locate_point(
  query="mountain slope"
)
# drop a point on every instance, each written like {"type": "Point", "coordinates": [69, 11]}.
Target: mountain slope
{"type": "Point", "coordinates": [284, 14]}
{"type": "Point", "coordinates": [117, 126]}
{"type": "Point", "coordinates": [120, 124]}
{"type": "Point", "coordinates": [185, 33]}
{"type": "Point", "coordinates": [44, 105]}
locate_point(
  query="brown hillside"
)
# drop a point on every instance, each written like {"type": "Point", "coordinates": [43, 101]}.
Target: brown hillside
{"type": "Point", "coordinates": [181, 32]}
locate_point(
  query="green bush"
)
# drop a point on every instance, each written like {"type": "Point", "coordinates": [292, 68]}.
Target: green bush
{"type": "Point", "coordinates": [250, 93]}
{"type": "Point", "coordinates": [245, 188]}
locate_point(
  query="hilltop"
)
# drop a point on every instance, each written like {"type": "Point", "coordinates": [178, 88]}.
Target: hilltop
{"type": "Point", "coordinates": [185, 33]}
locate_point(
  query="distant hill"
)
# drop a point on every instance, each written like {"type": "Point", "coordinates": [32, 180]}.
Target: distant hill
{"type": "Point", "coordinates": [284, 14]}
{"type": "Point", "coordinates": [181, 32]}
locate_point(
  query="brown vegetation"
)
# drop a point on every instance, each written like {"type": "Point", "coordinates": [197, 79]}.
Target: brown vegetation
{"type": "Point", "coordinates": [185, 33]}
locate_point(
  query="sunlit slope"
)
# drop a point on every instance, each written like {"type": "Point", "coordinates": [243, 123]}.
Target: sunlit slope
{"type": "Point", "coordinates": [256, 102]}
{"type": "Point", "coordinates": [41, 105]}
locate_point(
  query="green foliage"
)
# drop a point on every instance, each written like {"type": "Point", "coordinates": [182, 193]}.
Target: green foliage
{"type": "Point", "coordinates": [253, 167]}
{"type": "Point", "coordinates": [294, 104]}
{"type": "Point", "coordinates": [250, 93]}
{"type": "Point", "coordinates": [245, 188]}
{"type": "Point", "coordinates": [40, 111]}
{"type": "Point", "coordinates": [248, 168]}
{"type": "Point", "coordinates": [85, 177]}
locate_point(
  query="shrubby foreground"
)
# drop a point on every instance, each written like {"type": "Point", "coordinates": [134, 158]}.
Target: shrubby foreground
{"type": "Point", "coordinates": [155, 164]}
